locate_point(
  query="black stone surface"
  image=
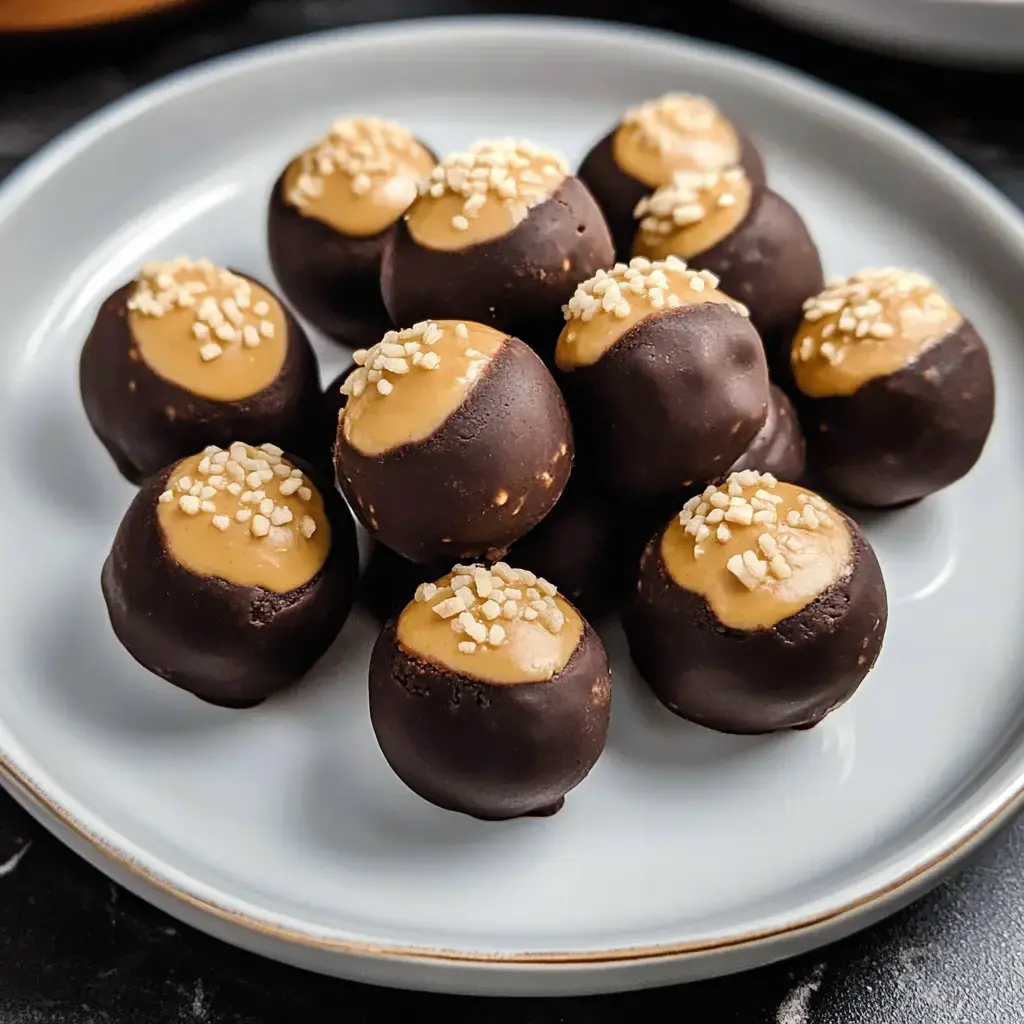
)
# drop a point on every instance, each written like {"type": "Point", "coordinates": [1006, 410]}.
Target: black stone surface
{"type": "Point", "coordinates": [75, 949]}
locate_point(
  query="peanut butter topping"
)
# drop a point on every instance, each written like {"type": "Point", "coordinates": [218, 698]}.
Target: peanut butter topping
{"type": "Point", "coordinates": [758, 551]}
{"type": "Point", "coordinates": [613, 301]}
{"type": "Point", "coordinates": [246, 516]}
{"type": "Point", "coordinates": [676, 132]}
{"type": "Point", "coordinates": [866, 326]}
{"type": "Point", "coordinates": [497, 624]}
{"type": "Point", "coordinates": [483, 193]}
{"type": "Point", "coordinates": [408, 385]}
{"type": "Point", "coordinates": [360, 177]}
{"type": "Point", "coordinates": [692, 214]}
{"type": "Point", "coordinates": [206, 329]}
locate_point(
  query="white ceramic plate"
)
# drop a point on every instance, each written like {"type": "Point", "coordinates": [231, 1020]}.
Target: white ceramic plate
{"type": "Point", "coordinates": [685, 853]}
{"type": "Point", "coordinates": [983, 32]}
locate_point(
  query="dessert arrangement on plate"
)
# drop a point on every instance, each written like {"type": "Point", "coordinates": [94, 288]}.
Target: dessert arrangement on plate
{"type": "Point", "coordinates": [627, 390]}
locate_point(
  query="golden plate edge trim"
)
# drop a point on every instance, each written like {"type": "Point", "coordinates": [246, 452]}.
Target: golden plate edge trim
{"type": "Point", "coordinates": [613, 956]}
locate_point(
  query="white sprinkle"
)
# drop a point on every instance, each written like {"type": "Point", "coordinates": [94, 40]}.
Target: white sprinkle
{"type": "Point", "coordinates": [260, 526]}
{"type": "Point", "coordinates": [189, 504]}
{"type": "Point", "coordinates": [221, 522]}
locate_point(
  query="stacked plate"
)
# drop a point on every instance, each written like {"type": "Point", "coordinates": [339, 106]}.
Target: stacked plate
{"type": "Point", "coordinates": [985, 32]}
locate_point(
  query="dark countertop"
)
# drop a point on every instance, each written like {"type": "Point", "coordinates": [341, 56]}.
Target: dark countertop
{"type": "Point", "coordinates": [76, 949]}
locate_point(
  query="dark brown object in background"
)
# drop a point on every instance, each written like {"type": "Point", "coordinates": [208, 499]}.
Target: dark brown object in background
{"type": "Point", "coordinates": [64, 15]}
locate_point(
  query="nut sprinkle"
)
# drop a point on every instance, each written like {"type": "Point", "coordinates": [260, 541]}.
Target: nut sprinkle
{"type": "Point", "coordinates": [664, 122]}
{"type": "Point", "coordinates": [221, 301]}
{"type": "Point", "coordinates": [515, 174]}
{"type": "Point", "coordinates": [265, 493]}
{"type": "Point", "coordinates": [871, 307]}
{"type": "Point", "coordinates": [479, 602]}
{"type": "Point", "coordinates": [396, 354]}
{"type": "Point", "coordinates": [779, 544]}
{"type": "Point", "coordinates": [658, 284]}
{"type": "Point", "coordinates": [688, 199]}
{"type": "Point", "coordinates": [358, 148]}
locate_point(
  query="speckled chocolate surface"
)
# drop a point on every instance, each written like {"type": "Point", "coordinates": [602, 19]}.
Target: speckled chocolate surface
{"type": "Point", "coordinates": [76, 949]}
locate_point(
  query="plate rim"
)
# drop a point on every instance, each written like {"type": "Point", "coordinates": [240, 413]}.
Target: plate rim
{"type": "Point", "coordinates": [999, 216]}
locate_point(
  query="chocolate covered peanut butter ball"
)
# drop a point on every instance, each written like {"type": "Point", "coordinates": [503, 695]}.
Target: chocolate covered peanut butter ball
{"type": "Point", "coordinates": [501, 234]}
{"type": "Point", "coordinates": [747, 235]}
{"type": "Point", "coordinates": [490, 693]}
{"type": "Point", "coordinates": [759, 607]}
{"type": "Point", "coordinates": [894, 386]}
{"type": "Point", "coordinates": [192, 354]}
{"type": "Point", "coordinates": [779, 446]}
{"type": "Point", "coordinates": [577, 544]}
{"type": "Point", "coordinates": [654, 140]}
{"type": "Point", "coordinates": [454, 441]}
{"type": "Point", "coordinates": [331, 211]}
{"type": "Point", "coordinates": [231, 573]}
{"type": "Point", "coordinates": [665, 374]}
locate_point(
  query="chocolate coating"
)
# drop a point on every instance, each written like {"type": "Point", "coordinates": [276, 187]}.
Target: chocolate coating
{"type": "Point", "coordinates": [437, 499]}
{"type": "Point", "coordinates": [331, 404]}
{"type": "Point", "coordinates": [517, 283]}
{"type": "Point", "coordinates": [756, 681]}
{"type": "Point", "coordinates": [779, 446]}
{"type": "Point", "coordinates": [227, 644]}
{"type": "Point", "coordinates": [146, 422]}
{"type": "Point", "coordinates": [769, 263]}
{"type": "Point", "coordinates": [494, 751]}
{"type": "Point", "coordinates": [389, 579]}
{"type": "Point", "coordinates": [332, 279]}
{"type": "Point", "coordinates": [617, 192]}
{"type": "Point", "coordinates": [575, 546]}
{"type": "Point", "coordinates": [904, 436]}
{"type": "Point", "coordinates": [676, 400]}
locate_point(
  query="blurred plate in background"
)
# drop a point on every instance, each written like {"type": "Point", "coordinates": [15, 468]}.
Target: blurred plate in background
{"type": "Point", "coordinates": [980, 32]}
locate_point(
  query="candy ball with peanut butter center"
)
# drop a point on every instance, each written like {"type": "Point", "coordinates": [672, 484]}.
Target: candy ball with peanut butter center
{"type": "Point", "coordinates": [453, 442]}
{"type": "Point", "coordinates": [499, 234]}
{"type": "Point", "coordinates": [232, 572]}
{"type": "Point", "coordinates": [665, 374]}
{"type": "Point", "coordinates": [192, 353]}
{"type": "Point", "coordinates": [759, 607]}
{"type": "Point", "coordinates": [490, 693]}
{"type": "Point", "coordinates": [894, 386]}
{"type": "Point", "coordinates": [577, 543]}
{"type": "Point", "coordinates": [744, 233]}
{"type": "Point", "coordinates": [331, 211]}
{"type": "Point", "coordinates": [656, 140]}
